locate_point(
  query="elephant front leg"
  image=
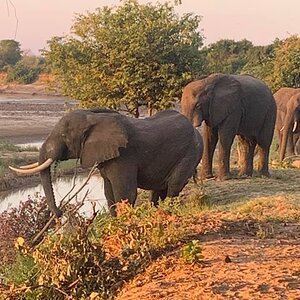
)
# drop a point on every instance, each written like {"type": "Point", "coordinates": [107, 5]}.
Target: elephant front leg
{"type": "Point", "coordinates": [155, 195]}
{"type": "Point", "coordinates": [210, 139]}
{"type": "Point", "coordinates": [109, 195]}
{"type": "Point", "coordinates": [226, 140]}
{"type": "Point", "coordinates": [290, 147]}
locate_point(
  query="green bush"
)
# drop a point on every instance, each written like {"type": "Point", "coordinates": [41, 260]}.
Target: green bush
{"type": "Point", "coordinates": [22, 74]}
{"type": "Point", "coordinates": [192, 252]}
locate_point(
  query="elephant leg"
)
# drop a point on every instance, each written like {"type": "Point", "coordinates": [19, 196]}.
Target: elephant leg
{"type": "Point", "coordinates": [210, 139]}
{"type": "Point", "coordinates": [247, 155]}
{"type": "Point", "coordinates": [227, 133]}
{"type": "Point", "coordinates": [180, 176]}
{"type": "Point", "coordinates": [109, 195]}
{"type": "Point", "coordinates": [263, 162]}
{"type": "Point", "coordinates": [155, 195]}
{"type": "Point", "coordinates": [290, 147]}
{"type": "Point", "coordinates": [122, 175]}
{"type": "Point", "coordinates": [125, 188]}
{"type": "Point", "coordinates": [297, 144]}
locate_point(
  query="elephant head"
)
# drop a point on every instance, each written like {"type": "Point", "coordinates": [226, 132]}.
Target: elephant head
{"type": "Point", "coordinates": [291, 122]}
{"type": "Point", "coordinates": [211, 99]}
{"type": "Point", "coordinates": [93, 136]}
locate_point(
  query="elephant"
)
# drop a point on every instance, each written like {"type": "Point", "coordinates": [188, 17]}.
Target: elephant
{"type": "Point", "coordinates": [231, 105]}
{"type": "Point", "coordinates": [159, 153]}
{"type": "Point", "coordinates": [288, 120]}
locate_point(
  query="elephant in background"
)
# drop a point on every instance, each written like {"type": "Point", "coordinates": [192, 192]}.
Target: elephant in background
{"type": "Point", "coordinates": [288, 120]}
{"type": "Point", "coordinates": [231, 105]}
{"type": "Point", "coordinates": [159, 153]}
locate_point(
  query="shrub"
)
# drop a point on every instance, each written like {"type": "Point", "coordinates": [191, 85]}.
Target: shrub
{"type": "Point", "coordinates": [192, 252]}
{"type": "Point", "coordinates": [26, 220]}
{"type": "Point", "coordinates": [94, 259]}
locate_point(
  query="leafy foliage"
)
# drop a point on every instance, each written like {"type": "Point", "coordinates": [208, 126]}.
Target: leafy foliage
{"type": "Point", "coordinates": [10, 53]}
{"type": "Point", "coordinates": [26, 70]}
{"type": "Point", "coordinates": [26, 220]}
{"type": "Point", "coordinates": [226, 56]}
{"type": "Point", "coordinates": [128, 56]}
{"type": "Point", "coordinates": [93, 259]}
{"type": "Point", "coordinates": [192, 251]}
{"type": "Point", "coordinates": [260, 62]}
{"type": "Point", "coordinates": [287, 63]}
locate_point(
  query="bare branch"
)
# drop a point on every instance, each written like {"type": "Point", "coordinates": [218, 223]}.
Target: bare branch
{"type": "Point", "coordinates": [38, 236]}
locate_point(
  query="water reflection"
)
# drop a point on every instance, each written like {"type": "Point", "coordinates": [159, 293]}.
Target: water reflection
{"type": "Point", "coordinates": [61, 187]}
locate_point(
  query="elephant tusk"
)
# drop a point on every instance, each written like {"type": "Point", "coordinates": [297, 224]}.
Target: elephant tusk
{"type": "Point", "coordinates": [30, 166]}
{"type": "Point", "coordinates": [281, 128]}
{"type": "Point", "coordinates": [295, 126]}
{"type": "Point", "coordinates": [37, 169]}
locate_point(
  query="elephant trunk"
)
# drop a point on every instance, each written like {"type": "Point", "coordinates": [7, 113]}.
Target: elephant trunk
{"type": "Point", "coordinates": [48, 190]}
{"type": "Point", "coordinates": [285, 133]}
{"type": "Point", "coordinates": [46, 181]}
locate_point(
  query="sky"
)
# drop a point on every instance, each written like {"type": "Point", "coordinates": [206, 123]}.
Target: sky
{"type": "Point", "coordinates": [33, 22]}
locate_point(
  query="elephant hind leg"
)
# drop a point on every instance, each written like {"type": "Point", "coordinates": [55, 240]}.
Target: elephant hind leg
{"type": "Point", "coordinates": [247, 155]}
{"type": "Point", "coordinates": [263, 163]}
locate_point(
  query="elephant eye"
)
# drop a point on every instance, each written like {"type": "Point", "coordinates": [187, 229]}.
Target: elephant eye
{"type": "Point", "coordinates": [198, 105]}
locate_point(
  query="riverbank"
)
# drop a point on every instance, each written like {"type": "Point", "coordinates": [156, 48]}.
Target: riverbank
{"type": "Point", "coordinates": [27, 115]}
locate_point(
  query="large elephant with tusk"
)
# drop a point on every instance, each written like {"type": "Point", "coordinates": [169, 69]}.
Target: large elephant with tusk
{"type": "Point", "coordinates": [288, 120]}
{"type": "Point", "coordinates": [159, 153]}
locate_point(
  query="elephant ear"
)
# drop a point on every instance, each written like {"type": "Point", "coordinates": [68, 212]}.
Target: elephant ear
{"type": "Point", "coordinates": [226, 96]}
{"type": "Point", "coordinates": [103, 139]}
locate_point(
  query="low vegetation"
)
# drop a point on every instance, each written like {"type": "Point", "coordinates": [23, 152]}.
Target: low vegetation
{"type": "Point", "coordinates": [93, 258]}
{"type": "Point", "coordinates": [12, 154]}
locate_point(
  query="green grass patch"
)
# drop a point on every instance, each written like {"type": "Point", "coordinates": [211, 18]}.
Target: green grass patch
{"type": "Point", "coordinates": [280, 208]}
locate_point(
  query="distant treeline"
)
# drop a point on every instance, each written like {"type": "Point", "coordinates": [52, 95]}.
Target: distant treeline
{"type": "Point", "coordinates": [138, 54]}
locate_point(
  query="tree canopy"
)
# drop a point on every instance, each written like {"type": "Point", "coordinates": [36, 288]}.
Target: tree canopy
{"type": "Point", "coordinates": [286, 70]}
{"type": "Point", "coordinates": [10, 53]}
{"type": "Point", "coordinates": [226, 56]}
{"type": "Point", "coordinates": [128, 56]}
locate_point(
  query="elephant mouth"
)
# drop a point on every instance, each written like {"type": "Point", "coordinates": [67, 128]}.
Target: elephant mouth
{"type": "Point", "coordinates": [33, 168]}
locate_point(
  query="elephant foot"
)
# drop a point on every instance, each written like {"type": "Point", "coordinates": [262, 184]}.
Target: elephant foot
{"type": "Point", "coordinates": [265, 174]}
{"type": "Point", "coordinates": [207, 176]}
{"type": "Point", "coordinates": [224, 177]}
{"type": "Point", "coordinates": [244, 176]}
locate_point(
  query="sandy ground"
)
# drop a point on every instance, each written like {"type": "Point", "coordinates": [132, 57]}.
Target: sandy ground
{"type": "Point", "coordinates": [236, 265]}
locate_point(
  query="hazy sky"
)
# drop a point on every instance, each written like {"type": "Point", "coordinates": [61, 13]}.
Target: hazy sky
{"type": "Point", "coordinates": [260, 21]}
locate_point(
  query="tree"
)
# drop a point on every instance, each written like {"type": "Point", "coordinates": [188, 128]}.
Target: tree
{"type": "Point", "coordinates": [260, 62]}
{"type": "Point", "coordinates": [10, 53]}
{"type": "Point", "coordinates": [226, 56]}
{"type": "Point", "coordinates": [286, 70]}
{"type": "Point", "coordinates": [26, 70]}
{"type": "Point", "coordinates": [128, 56]}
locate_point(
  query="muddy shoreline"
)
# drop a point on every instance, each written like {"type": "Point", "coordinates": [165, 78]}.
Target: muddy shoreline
{"type": "Point", "coordinates": [26, 117]}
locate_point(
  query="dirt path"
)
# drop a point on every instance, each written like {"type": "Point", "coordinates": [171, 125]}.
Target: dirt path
{"type": "Point", "coordinates": [250, 247]}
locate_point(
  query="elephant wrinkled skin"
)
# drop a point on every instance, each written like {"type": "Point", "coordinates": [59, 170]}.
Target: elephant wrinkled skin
{"type": "Point", "coordinates": [231, 105]}
{"type": "Point", "coordinates": [288, 120]}
{"type": "Point", "coordinates": [159, 153]}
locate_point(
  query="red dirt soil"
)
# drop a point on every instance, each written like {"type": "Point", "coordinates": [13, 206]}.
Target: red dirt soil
{"type": "Point", "coordinates": [237, 264]}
